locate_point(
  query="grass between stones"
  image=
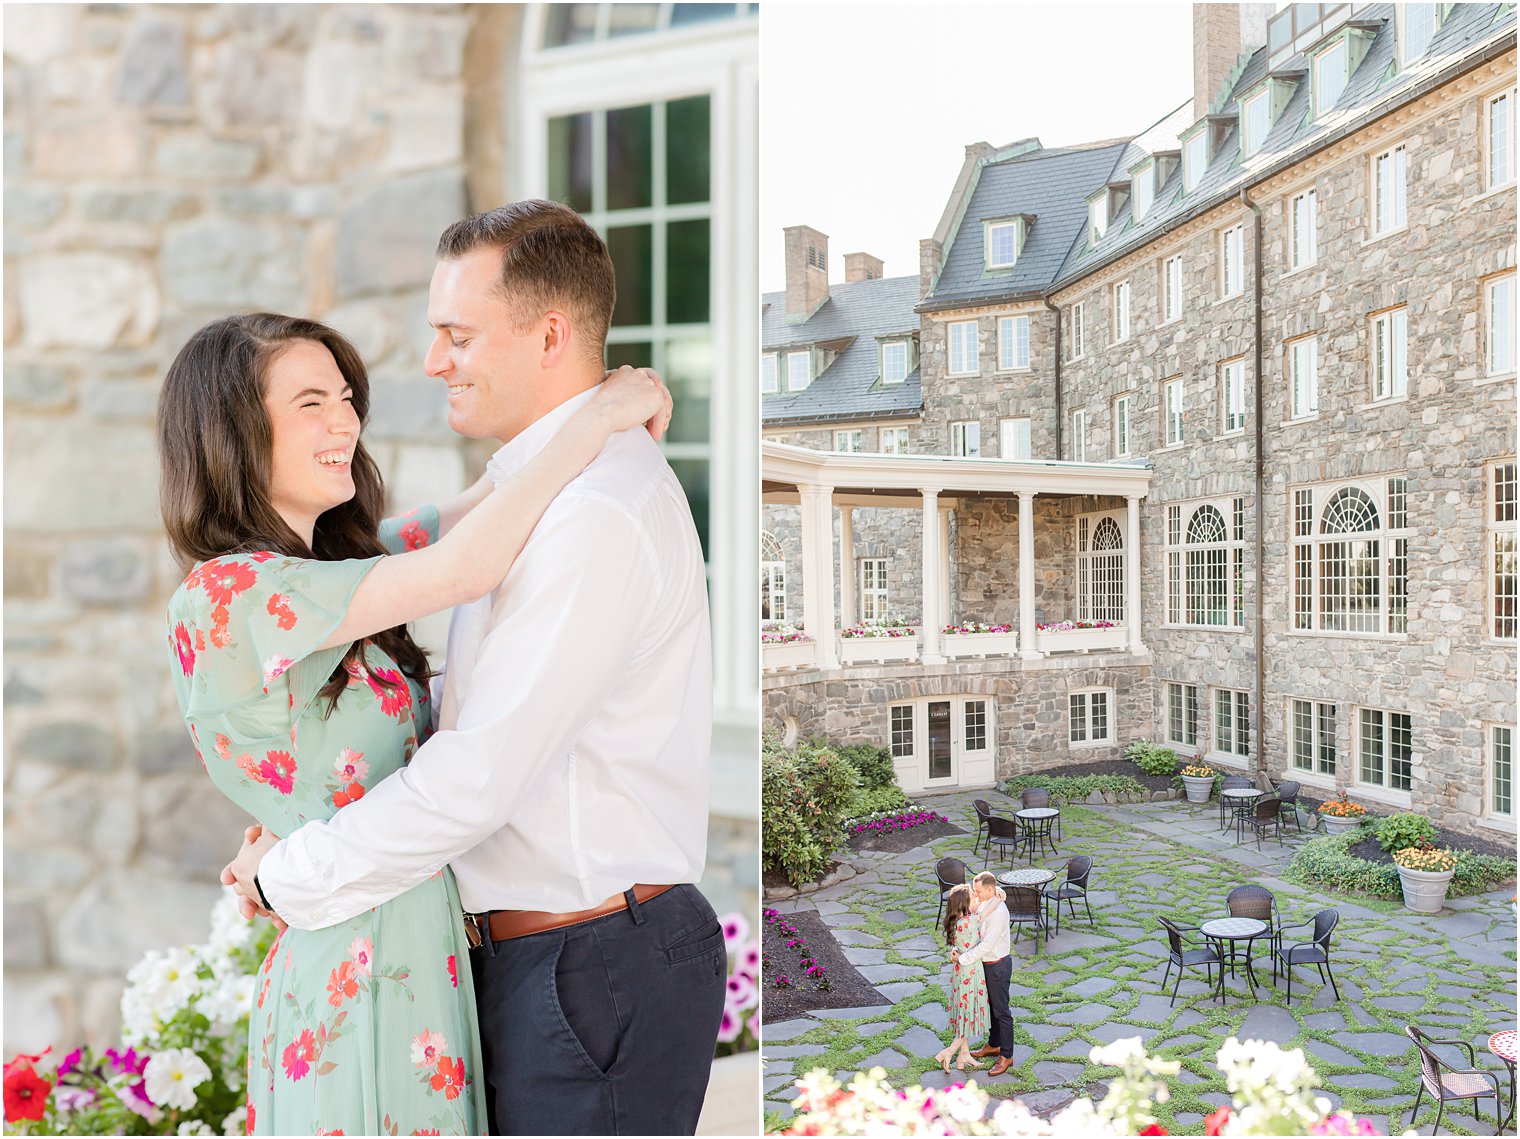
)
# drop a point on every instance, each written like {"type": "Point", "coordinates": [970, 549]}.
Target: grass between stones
{"type": "Point", "coordinates": [1099, 982]}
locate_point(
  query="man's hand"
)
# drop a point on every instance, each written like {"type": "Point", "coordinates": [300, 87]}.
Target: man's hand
{"type": "Point", "coordinates": [239, 873]}
{"type": "Point", "coordinates": [955, 957]}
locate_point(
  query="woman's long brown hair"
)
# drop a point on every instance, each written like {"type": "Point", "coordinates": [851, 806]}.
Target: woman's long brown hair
{"type": "Point", "coordinates": [957, 906]}
{"type": "Point", "coordinates": [214, 453]}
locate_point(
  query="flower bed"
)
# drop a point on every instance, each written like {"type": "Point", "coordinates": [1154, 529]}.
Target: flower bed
{"type": "Point", "coordinates": [1066, 789]}
{"type": "Point", "coordinates": [1328, 862]}
{"type": "Point", "coordinates": [781, 633]}
{"type": "Point", "coordinates": [808, 974]}
{"type": "Point", "coordinates": [893, 821]}
{"type": "Point", "coordinates": [740, 1028]}
{"type": "Point", "coordinates": [784, 645]}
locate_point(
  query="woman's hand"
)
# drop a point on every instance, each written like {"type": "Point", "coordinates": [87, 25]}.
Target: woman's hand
{"type": "Point", "coordinates": [629, 397]}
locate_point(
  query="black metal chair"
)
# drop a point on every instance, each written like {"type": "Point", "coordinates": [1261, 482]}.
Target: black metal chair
{"type": "Point", "coordinates": [1184, 958]}
{"type": "Point", "coordinates": [1314, 952]}
{"type": "Point", "coordinates": [1288, 791]}
{"type": "Point", "coordinates": [1077, 871]}
{"type": "Point", "coordinates": [1230, 783]}
{"type": "Point", "coordinates": [1265, 815]}
{"type": "Point", "coordinates": [1038, 797]}
{"type": "Point", "coordinates": [1003, 834]}
{"type": "Point", "coordinates": [983, 810]}
{"type": "Point", "coordinates": [1256, 902]}
{"type": "Point", "coordinates": [1446, 1081]}
{"type": "Point", "coordinates": [1025, 908]}
{"type": "Point", "coordinates": [951, 872]}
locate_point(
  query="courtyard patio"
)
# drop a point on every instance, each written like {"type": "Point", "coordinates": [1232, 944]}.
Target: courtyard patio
{"type": "Point", "coordinates": [1452, 974]}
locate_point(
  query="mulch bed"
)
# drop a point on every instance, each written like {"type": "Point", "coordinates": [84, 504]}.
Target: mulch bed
{"type": "Point", "coordinates": [847, 988]}
{"type": "Point", "coordinates": [1369, 849]}
{"type": "Point", "coordinates": [1109, 767]}
{"type": "Point", "coordinates": [900, 841]}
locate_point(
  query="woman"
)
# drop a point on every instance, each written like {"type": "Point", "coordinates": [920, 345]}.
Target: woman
{"type": "Point", "coordinates": [968, 984]}
{"type": "Point", "coordinates": [301, 687]}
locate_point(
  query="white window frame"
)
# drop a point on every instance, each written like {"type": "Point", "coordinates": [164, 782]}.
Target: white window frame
{"type": "Point", "coordinates": [1390, 191]}
{"type": "Point", "coordinates": [1311, 606]}
{"type": "Point", "coordinates": [792, 374]}
{"type": "Point", "coordinates": [1492, 747]}
{"type": "Point", "coordinates": [1302, 367]}
{"type": "Point", "coordinates": [1325, 99]}
{"type": "Point", "coordinates": [1499, 162]}
{"type": "Point", "coordinates": [1205, 572]}
{"type": "Point", "coordinates": [1097, 219]}
{"type": "Point", "coordinates": [851, 441]}
{"type": "Point", "coordinates": [1253, 135]}
{"type": "Point", "coordinates": [1121, 306]}
{"type": "Point", "coordinates": [1311, 724]}
{"type": "Point", "coordinates": [894, 440]}
{"type": "Point", "coordinates": [1232, 396]}
{"type": "Point", "coordinates": [1079, 436]}
{"type": "Point", "coordinates": [1171, 289]}
{"type": "Point", "coordinates": [888, 350]}
{"type": "Point", "coordinates": [1078, 330]}
{"type": "Point", "coordinates": [962, 352]}
{"type": "Point", "coordinates": [1363, 718]}
{"type": "Point", "coordinates": [1232, 261]}
{"type": "Point", "coordinates": [966, 438]}
{"type": "Point", "coordinates": [1303, 229]}
{"type": "Point", "coordinates": [770, 376]}
{"type": "Point", "coordinates": [1140, 203]}
{"type": "Point", "coordinates": [1181, 717]}
{"type": "Point", "coordinates": [1427, 14]}
{"type": "Point", "coordinates": [1101, 570]}
{"type": "Point", "coordinates": [1499, 324]}
{"type": "Point", "coordinates": [992, 230]}
{"type": "Point", "coordinates": [1123, 440]}
{"type": "Point", "coordinates": [1195, 160]}
{"type": "Point", "coordinates": [1231, 738]}
{"type": "Point", "coordinates": [1388, 354]}
{"type": "Point", "coordinates": [872, 578]}
{"type": "Point", "coordinates": [772, 578]}
{"type": "Point", "coordinates": [1502, 508]}
{"type": "Point", "coordinates": [1010, 443]}
{"type": "Point", "coordinates": [1173, 407]}
{"type": "Point", "coordinates": [1013, 343]}
{"type": "Point", "coordinates": [900, 721]}
{"type": "Point", "coordinates": [1080, 727]}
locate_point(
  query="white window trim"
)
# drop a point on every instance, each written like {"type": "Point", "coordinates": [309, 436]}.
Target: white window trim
{"type": "Point", "coordinates": [1003, 425]}
{"type": "Point", "coordinates": [845, 435]}
{"type": "Point", "coordinates": [1492, 530]}
{"type": "Point", "coordinates": [770, 361]}
{"type": "Point", "coordinates": [1238, 265]}
{"type": "Point", "coordinates": [974, 354]}
{"type": "Point", "coordinates": [1182, 747]}
{"type": "Point", "coordinates": [1490, 817]}
{"type": "Point", "coordinates": [1312, 198]}
{"type": "Point", "coordinates": [1377, 490]}
{"type": "Point", "coordinates": [1145, 176]}
{"type": "Point", "coordinates": [987, 229]}
{"type": "Point", "coordinates": [1079, 329]}
{"type": "Point", "coordinates": [905, 436]}
{"type": "Point", "coordinates": [1487, 145]}
{"type": "Point", "coordinates": [1381, 792]}
{"type": "Point", "coordinates": [806, 355]}
{"type": "Point", "coordinates": [907, 362]}
{"type": "Point", "coordinates": [1239, 364]}
{"type": "Point", "coordinates": [1401, 13]}
{"type": "Point", "coordinates": [1312, 775]}
{"type": "Point", "coordinates": [1389, 319]}
{"type": "Point", "coordinates": [873, 592]}
{"type": "Point", "coordinates": [1127, 436]}
{"type": "Point", "coordinates": [1193, 171]}
{"type": "Point", "coordinates": [1375, 201]}
{"type": "Point", "coordinates": [1317, 81]}
{"type": "Point", "coordinates": [1097, 219]}
{"type": "Point", "coordinates": [1174, 384]}
{"type": "Point", "coordinates": [1090, 743]}
{"type": "Point", "coordinates": [1028, 364]}
{"type": "Point", "coordinates": [963, 425]}
{"type": "Point", "coordinates": [1111, 564]}
{"type": "Point", "coordinates": [1123, 328]}
{"type": "Point", "coordinates": [1249, 145]}
{"type": "Point", "coordinates": [1079, 435]}
{"type": "Point", "coordinates": [1215, 753]}
{"type": "Point", "coordinates": [1171, 286]}
{"type": "Point", "coordinates": [1290, 371]}
{"type": "Point", "coordinates": [1488, 284]}
{"type": "Point", "coordinates": [1176, 572]}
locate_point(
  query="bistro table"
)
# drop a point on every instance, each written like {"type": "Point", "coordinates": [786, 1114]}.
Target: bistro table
{"type": "Point", "coordinates": [1236, 798]}
{"type": "Point", "coordinates": [1502, 1045]}
{"type": "Point", "coordinates": [1029, 876]}
{"type": "Point", "coordinates": [1035, 823]}
{"type": "Point", "coordinates": [1234, 930]}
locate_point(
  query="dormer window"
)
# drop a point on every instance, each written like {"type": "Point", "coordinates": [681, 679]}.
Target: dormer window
{"type": "Point", "coordinates": [894, 361]}
{"type": "Point", "coordinates": [1255, 122]}
{"type": "Point", "coordinates": [1144, 192]}
{"type": "Point", "coordinates": [799, 370]}
{"type": "Point", "coordinates": [1195, 158]}
{"type": "Point", "coordinates": [769, 381]}
{"type": "Point", "coordinates": [1004, 240]}
{"type": "Point", "coordinates": [1329, 77]}
{"type": "Point", "coordinates": [1097, 217]}
{"type": "Point", "coordinates": [1418, 23]}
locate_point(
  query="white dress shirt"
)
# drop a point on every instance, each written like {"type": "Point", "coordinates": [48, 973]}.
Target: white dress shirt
{"type": "Point", "coordinates": [571, 760]}
{"type": "Point", "coordinates": [993, 916]}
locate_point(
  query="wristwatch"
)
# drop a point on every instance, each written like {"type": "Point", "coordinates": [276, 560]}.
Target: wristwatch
{"type": "Point", "coordinates": [262, 899]}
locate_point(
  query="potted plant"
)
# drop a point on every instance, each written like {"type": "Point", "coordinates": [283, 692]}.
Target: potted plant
{"type": "Point", "coordinates": [1341, 815]}
{"type": "Point", "coordinates": [884, 639]}
{"type": "Point", "coordinates": [1079, 636]}
{"type": "Point", "coordinates": [975, 639]}
{"type": "Point", "coordinates": [1198, 782]}
{"type": "Point", "coordinates": [1424, 873]}
{"type": "Point", "coordinates": [785, 645]}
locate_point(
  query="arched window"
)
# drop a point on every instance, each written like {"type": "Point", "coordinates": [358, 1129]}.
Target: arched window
{"type": "Point", "coordinates": [1351, 558]}
{"type": "Point", "coordinates": [1100, 568]}
{"type": "Point", "coordinates": [1205, 563]}
{"type": "Point", "coordinates": [772, 579]}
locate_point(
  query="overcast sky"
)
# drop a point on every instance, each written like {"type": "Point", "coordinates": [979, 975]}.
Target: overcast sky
{"type": "Point", "coordinates": [866, 111]}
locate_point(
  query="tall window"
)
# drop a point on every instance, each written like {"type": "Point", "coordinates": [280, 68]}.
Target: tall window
{"type": "Point", "coordinates": [1303, 377]}
{"type": "Point", "coordinates": [1002, 244]}
{"type": "Point", "coordinates": [1313, 741]}
{"type": "Point", "coordinates": [1501, 771]}
{"type": "Point", "coordinates": [976, 725]}
{"type": "Point", "coordinates": [1500, 292]}
{"type": "Point", "coordinates": [1255, 121]}
{"type": "Point", "coordinates": [772, 579]}
{"type": "Point", "coordinates": [850, 442]}
{"type": "Point", "coordinates": [902, 730]}
{"type": "Point", "coordinates": [894, 440]}
{"type": "Point", "coordinates": [799, 371]}
{"type": "Point", "coordinates": [1121, 427]}
{"type": "Point", "coordinates": [1351, 557]}
{"type": "Point", "coordinates": [894, 361]}
{"type": "Point", "coordinates": [1329, 78]}
{"type": "Point", "coordinates": [1013, 342]}
{"type": "Point", "coordinates": [1171, 408]}
{"type": "Point", "coordinates": [963, 348]}
{"type": "Point", "coordinates": [1171, 288]}
{"type": "Point", "coordinates": [1390, 354]}
{"type": "Point", "coordinates": [1232, 725]}
{"type": "Point", "coordinates": [873, 589]}
{"type": "Point", "coordinates": [1079, 436]}
{"type": "Point", "coordinates": [1205, 563]}
{"type": "Point", "coordinates": [1078, 329]}
{"type": "Point", "coordinates": [1182, 715]}
{"type": "Point", "coordinates": [966, 438]}
{"type": "Point", "coordinates": [1419, 29]}
{"type": "Point", "coordinates": [1100, 568]}
{"type": "Point", "coordinates": [1388, 191]}
{"type": "Point", "coordinates": [1013, 438]}
{"type": "Point", "coordinates": [1121, 311]}
{"type": "Point", "coordinates": [1501, 144]}
{"type": "Point", "coordinates": [1232, 395]}
{"type": "Point", "coordinates": [769, 383]}
{"type": "Point", "coordinates": [1195, 157]}
{"type": "Point", "coordinates": [1090, 721]}
{"type": "Point", "coordinates": [1384, 749]}
{"type": "Point", "coordinates": [1303, 225]}
{"type": "Point", "coordinates": [1097, 218]}
{"type": "Point", "coordinates": [1232, 261]}
{"type": "Point", "coordinates": [1143, 191]}
{"type": "Point", "coordinates": [1501, 544]}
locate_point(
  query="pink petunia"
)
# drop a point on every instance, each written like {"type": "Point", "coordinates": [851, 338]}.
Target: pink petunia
{"type": "Point", "coordinates": [350, 766]}
{"type": "Point", "coordinates": [428, 1047]}
{"type": "Point", "coordinates": [732, 1026]}
{"type": "Point", "coordinates": [735, 929]}
{"type": "Point", "coordinates": [362, 954]}
{"type": "Point", "coordinates": [299, 1054]}
{"type": "Point", "coordinates": [279, 771]}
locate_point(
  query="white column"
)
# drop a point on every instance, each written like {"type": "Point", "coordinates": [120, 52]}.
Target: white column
{"type": "Point", "coordinates": [945, 596]}
{"type": "Point", "coordinates": [846, 567]}
{"type": "Point", "coordinates": [1132, 577]}
{"type": "Point", "coordinates": [818, 571]}
{"type": "Point", "coordinates": [1026, 577]}
{"type": "Point", "coordinates": [930, 575]}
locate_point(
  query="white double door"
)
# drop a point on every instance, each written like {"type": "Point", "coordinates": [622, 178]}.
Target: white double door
{"type": "Point", "coordinates": [952, 742]}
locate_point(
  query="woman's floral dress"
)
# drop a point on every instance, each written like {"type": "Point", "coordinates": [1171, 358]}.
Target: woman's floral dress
{"type": "Point", "coordinates": [969, 1015]}
{"type": "Point", "coordinates": [367, 1027]}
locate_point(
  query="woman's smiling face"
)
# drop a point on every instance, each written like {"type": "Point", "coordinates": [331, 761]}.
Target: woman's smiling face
{"type": "Point", "coordinates": [314, 431]}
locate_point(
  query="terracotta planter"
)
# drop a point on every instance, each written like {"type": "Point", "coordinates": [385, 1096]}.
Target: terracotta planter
{"type": "Point", "coordinates": [1198, 787]}
{"type": "Point", "coordinates": [732, 1104]}
{"type": "Point", "coordinates": [1334, 824]}
{"type": "Point", "coordinates": [1425, 890]}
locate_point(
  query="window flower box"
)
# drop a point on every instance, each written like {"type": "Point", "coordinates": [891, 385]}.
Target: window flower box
{"type": "Point", "coordinates": [974, 639]}
{"type": "Point", "coordinates": [1080, 636]}
{"type": "Point", "coordinates": [878, 641]}
{"type": "Point", "coordinates": [783, 645]}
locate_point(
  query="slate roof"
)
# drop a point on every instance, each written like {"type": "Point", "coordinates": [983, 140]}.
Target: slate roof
{"type": "Point", "coordinates": [848, 388]}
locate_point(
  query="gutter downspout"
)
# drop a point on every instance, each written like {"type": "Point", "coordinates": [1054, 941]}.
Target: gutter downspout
{"type": "Point", "coordinates": [1261, 664]}
{"type": "Point", "coordinates": [1045, 297]}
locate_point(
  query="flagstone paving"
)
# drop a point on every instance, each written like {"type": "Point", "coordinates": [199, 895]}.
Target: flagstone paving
{"type": "Point", "coordinates": [1452, 973]}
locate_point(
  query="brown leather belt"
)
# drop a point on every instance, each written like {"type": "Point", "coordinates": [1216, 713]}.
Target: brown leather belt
{"type": "Point", "coordinates": [504, 925]}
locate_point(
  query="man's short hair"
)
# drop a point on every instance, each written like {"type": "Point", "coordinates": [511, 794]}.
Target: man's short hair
{"type": "Point", "coordinates": [986, 880]}
{"type": "Point", "coordinates": [550, 259]}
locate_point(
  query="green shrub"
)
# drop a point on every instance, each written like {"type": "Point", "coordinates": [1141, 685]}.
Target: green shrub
{"type": "Point", "coordinates": [1074, 788]}
{"type": "Point", "coordinates": [869, 802]}
{"type": "Point", "coordinates": [1404, 829]}
{"type": "Point", "coordinates": [804, 797]}
{"type": "Point", "coordinates": [873, 765]}
{"type": "Point", "coordinates": [1152, 758]}
{"type": "Point", "coordinates": [1326, 862]}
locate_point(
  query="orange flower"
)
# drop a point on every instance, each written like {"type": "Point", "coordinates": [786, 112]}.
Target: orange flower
{"type": "Point", "coordinates": [342, 983]}
{"type": "Point", "coordinates": [223, 581]}
{"type": "Point", "coordinates": [449, 1079]}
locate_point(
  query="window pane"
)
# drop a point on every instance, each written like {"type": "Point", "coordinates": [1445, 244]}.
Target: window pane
{"type": "Point", "coordinates": [1504, 771]}
{"type": "Point", "coordinates": [1326, 730]}
{"type": "Point", "coordinates": [695, 478]}
{"type": "Point", "coordinates": [1372, 747]}
{"type": "Point", "coordinates": [683, 14]}
{"type": "Point", "coordinates": [688, 368]}
{"type": "Point", "coordinates": [570, 157]}
{"type": "Point", "coordinates": [902, 730]}
{"type": "Point", "coordinates": [629, 19]}
{"type": "Point", "coordinates": [632, 249]}
{"type": "Point", "coordinates": [629, 160]}
{"type": "Point", "coordinates": [688, 256]}
{"type": "Point", "coordinates": [570, 24]}
{"type": "Point", "coordinates": [688, 143]}
{"type": "Point", "coordinates": [1501, 163]}
{"type": "Point", "coordinates": [1400, 747]}
{"type": "Point", "coordinates": [637, 354]}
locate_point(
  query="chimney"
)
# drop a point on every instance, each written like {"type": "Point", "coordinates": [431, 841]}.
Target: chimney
{"type": "Point", "coordinates": [861, 267]}
{"type": "Point", "coordinates": [931, 256]}
{"type": "Point", "coordinates": [807, 270]}
{"type": "Point", "coordinates": [1221, 34]}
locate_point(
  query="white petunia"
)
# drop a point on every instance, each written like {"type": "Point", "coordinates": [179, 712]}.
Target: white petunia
{"type": "Point", "coordinates": [230, 931]}
{"type": "Point", "coordinates": [1119, 1052]}
{"type": "Point", "coordinates": [194, 1127]}
{"type": "Point", "coordinates": [172, 1077]}
{"type": "Point", "coordinates": [236, 1123]}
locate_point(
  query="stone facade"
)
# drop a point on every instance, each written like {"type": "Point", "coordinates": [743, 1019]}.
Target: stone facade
{"type": "Point", "coordinates": [165, 165]}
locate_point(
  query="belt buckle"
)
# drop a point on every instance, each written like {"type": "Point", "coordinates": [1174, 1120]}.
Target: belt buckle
{"type": "Point", "coordinates": [473, 933]}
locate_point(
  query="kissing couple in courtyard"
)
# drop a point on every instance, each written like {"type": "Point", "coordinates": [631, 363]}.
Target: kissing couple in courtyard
{"type": "Point", "coordinates": [484, 883]}
{"type": "Point", "coordinates": [976, 930]}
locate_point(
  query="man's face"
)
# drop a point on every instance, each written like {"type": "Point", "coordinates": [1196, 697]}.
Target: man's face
{"type": "Point", "coordinates": [490, 367]}
{"type": "Point", "coordinates": [983, 893]}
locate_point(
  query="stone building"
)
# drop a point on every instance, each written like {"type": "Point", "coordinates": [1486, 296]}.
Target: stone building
{"type": "Point", "coordinates": [1290, 304]}
{"type": "Point", "coordinates": [168, 164]}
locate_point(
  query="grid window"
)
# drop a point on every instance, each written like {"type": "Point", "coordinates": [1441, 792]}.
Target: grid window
{"type": "Point", "coordinates": [1100, 568]}
{"type": "Point", "coordinates": [1351, 570]}
{"type": "Point", "coordinates": [1390, 354]}
{"type": "Point", "coordinates": [1419, 29]}
{"type": "Point", "coordinates": [976, 725]}
{"type": "Point", "coordinates": [1182, 715]}
{"type": "Point", "coordinates": [1233, 276]}
{"type": "Point", "coordinates": [963, 348]}
{"type": "Point", "coordinates": [1079, 436]}
{"type": "Point", "coordinates": [1255, 121]}
{"type": "Point", "coordinates": [894, 362]}
{"type": "Point", "coordinates": [1232, 394]}
{"type": "Point", "coordinates": [1143, 191]}
{"type": "Point", "coordinates": [1329, 78]}
{"type": "Point", "coordinates": [902, 730]}
{"type": "Point", "coordinates": [1013, 438]}
{"type": "Point", "coordinates": [1078, 329]}
{"type": "Point", "coordinates": [1304, 226]}
{"type": "Point", "coordinates": [1501, 142]}
{"type": "Point", "coordinates": [769, 380]}
{"type": "Point", "coordinates": [1121, 311]}
{"type": "Point", "coordinates": [1013, 342]}
{"type": "Point", "coordinates": [1097, 219]}
{"type": "Point", "coordinates": [850, 442]}
{"type": "Point", "coordinates": [1502, 527]}
{"type": "Point", "coordinates": [1501, 325]}
{"type": "Point", "coordinates": [1232, 730]}
{"type": "Point", "coordinates": [1313, 736]}
{"type": "Point", "coordinates": [1171, 404]}
{"type": "Point", "coordinates": [798, 371]}
{"type": "Point", "coordinates": [1002, 244]}
{"type": "Point", "coordinates": [1385, 751]}
{"type": "Point", "coordinates": [894, 440]}
{"type": "Point", "coordinates": [966, 438]}
{"type": "Point", "coordinates": [873, 589]}
{"type": "Point", "coordinates": [1171, 288]}
{"type": "Point", "coordinates": [1389, 172]}
{"type": "Point", "coordinates": [1205, 561]}
{"type": "Point", "coordinates": [1089, 718]}
{"type": "Point", "coordinates": [1195, 158]}
{"type": "Point", "coordinates": [1303, 377]}
{"type": "Point", "coordinates": [1501, 768]}
{"type": "Point", "coordinates": [772, 579]}
{"type": "Point", "coordinates": [1121, 427]}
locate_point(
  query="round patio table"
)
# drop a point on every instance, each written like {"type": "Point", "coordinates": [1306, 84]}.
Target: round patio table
{"type": "Point", "coordinates": [1234, 930]}
{"type": "Point", "coordinates": [1237, 797]}
{"type": "Point", "coordinates": [1029, 876]}
{"type": "Point", "coordinates": [1036, 826]}
{"type": "Point", "coordinates": [1502, 1045]}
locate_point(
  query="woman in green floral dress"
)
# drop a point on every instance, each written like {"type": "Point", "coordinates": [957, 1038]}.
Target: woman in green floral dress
{"type": "Point", "coordinates": [301, 688]}
{"type": "Point", "coordinates": [967, 1005]}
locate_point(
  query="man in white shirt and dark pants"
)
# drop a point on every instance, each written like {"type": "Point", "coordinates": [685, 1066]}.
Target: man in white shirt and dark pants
{"type": "Point", "coordinates": [997, 965]}
{"type": "Point", "coordinates": [567, 783]}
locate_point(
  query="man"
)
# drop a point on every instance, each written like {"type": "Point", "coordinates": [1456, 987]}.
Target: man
{"type": "Point", "coordinates": [567, 784]}
{"type": "Point", "coordinates": [997, 966]}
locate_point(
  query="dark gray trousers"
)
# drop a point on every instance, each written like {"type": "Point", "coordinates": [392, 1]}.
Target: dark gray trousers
{"type": "Point", "coordinates": [999, 975]}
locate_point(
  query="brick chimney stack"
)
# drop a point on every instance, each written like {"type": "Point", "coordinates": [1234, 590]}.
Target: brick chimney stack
{"type": "Point", "coordinates": [1221, 33]}
{"type": "Point", "coordinates": [861, 267]}
{"type": "Point", "coordinates": [931, 257]}
{"type": "Point", "coordinates": [807, 270]}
